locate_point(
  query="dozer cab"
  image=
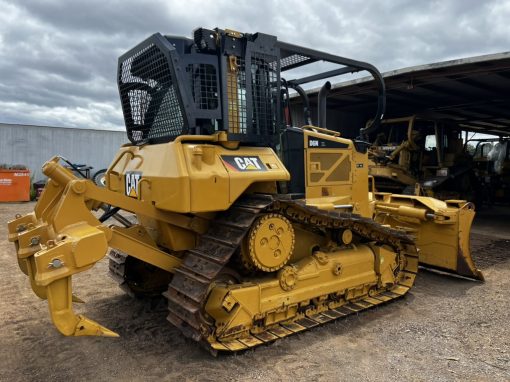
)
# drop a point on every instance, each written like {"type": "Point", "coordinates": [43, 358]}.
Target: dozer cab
{"type": "Point", "coordinates": [414, 155]}
{"type": "Point", "coordinates": [491, 160]}
{"type": "Point", "coordinates": [251, 228]}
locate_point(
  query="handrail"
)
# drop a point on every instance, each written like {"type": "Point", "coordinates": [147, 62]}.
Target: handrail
{"type": "Point", "coordinates": [321, 130]}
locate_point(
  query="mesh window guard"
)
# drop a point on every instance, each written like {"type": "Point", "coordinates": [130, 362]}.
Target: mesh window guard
{"type": "Point", "coordinates": [149, 99]}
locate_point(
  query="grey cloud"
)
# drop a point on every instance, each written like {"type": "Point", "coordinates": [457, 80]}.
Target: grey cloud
{"type": "Point", "coordinates": [58, 58]}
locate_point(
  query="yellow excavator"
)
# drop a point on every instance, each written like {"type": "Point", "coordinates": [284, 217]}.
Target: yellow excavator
{"type": "Point", "coordinates": [251, 228]}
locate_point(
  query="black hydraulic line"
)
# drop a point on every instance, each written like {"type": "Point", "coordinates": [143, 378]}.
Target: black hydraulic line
{"type": "Point", "coordinates": [322, 106]}
{"type": "Point", "coordinates": [329, 74]}
{"type": "Point", "coordinates": [316, 55]}
{"type": "Point", "coordinates": [75, 168]}
{"type": "Point", "coordinates": [109, 212]}
{"type": "Point", "coordinates": [286, 106]}
{"type": "Point", "coordinates": [286, 102]}
{"type": "Point", "coordinates": [122, 220]}
{"type": "Point", "coordinates": [306, 101]}
{"type": "Point", "coordinates": [370, 128]}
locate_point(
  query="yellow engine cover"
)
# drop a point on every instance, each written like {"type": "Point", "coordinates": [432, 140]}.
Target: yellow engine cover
{"type": "Point", "coordinates": [193, 177]}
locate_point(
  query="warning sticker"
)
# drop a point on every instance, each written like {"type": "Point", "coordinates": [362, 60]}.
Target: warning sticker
{"type": "Point", "coordinates": [5, 182]}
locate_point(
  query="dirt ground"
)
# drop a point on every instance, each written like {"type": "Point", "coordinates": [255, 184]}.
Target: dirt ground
{"type": "Point", "coordinates": [446, 329]}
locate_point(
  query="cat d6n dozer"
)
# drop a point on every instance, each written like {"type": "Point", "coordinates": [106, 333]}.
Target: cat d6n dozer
{"type": "Point", "coordinates": [251, 228]}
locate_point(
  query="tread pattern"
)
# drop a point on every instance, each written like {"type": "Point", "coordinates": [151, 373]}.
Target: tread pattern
{"type": "Point", "coordinates": [187, 293]}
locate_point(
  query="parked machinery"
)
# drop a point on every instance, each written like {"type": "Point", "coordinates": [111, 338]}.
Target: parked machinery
{"type": "Point", "coordinates": [420, 156]}
{"type": "Point", "coordinates": [252, 229]}
{"type": "Point", "coordinates": [491, 161]}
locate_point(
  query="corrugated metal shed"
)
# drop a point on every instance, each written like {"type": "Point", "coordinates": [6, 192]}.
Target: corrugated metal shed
{"type": "Point", "coordinates": [33, 145]}
{"type": "Point", "coordinates": [472, 92]}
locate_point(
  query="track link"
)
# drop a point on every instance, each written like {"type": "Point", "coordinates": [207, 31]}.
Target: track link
{"type": "Point", "coordinates": [187, 293]}
{"type": "Point", "coordinates": [191, 283]}
{"type": "Point", "coordinates": [117, 269]}
{"type": "Point", "coordinates": [136, 278]}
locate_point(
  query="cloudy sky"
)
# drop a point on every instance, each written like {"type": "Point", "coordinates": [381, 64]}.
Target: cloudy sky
{"type": "Point", "coordinates": [58, 57]}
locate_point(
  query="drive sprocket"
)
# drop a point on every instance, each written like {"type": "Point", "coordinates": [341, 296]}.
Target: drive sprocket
{"type": "Point", "coordinates": [269, 244]}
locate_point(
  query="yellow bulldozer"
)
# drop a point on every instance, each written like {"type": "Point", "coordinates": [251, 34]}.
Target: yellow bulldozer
{"type": "Point", "coordinates": [251, 228]}
{"type": "Point", "coordinates": [413, 155]}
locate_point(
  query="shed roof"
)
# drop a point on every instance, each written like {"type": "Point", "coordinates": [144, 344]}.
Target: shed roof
{"type": "Point", "coordinates": [474, 92]}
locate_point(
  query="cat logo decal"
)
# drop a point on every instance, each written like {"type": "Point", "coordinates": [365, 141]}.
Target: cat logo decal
{"type": "Point", "coordinates": [243, 163]}
{"type": "Point", "coordinates": [132, 181]}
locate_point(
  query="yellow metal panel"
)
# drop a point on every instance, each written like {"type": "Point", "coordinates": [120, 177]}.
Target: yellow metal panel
{"type": "Point", "coordinates": [185, 177]}
{"type": "Point", "coordinates": [335, 176]}
{"type": "Point", "coordinates": [129, 241]}
{"type": "Point", "coordinates": [442, 229]}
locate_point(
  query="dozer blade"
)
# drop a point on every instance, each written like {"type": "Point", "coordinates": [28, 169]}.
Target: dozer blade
{"type": "Point", "coordinates": [438, 250]}
{"type": "Point", "coordinates": [442, 230]}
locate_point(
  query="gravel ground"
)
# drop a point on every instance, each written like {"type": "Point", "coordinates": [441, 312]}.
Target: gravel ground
{"type": "Point", "coordinates": [445, 329]}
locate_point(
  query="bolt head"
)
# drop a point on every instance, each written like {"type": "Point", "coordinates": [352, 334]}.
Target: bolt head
{"type": "Point", "coordinates": [56, 263]}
